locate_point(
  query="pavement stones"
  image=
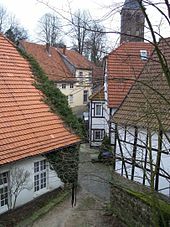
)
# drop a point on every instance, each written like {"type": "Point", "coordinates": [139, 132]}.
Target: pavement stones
{"type": "Point", "coordinates": [91, 198]}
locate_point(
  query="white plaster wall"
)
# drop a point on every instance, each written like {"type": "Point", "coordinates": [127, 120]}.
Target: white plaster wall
{"type": "Point", "coordinates": [76, 91]}
{"type": "Point", "coordinates": [140, 156]}
{"type": "Point", "coordinates": [98, 122]}
{"type": "Point", "coordinates": [87, 79]}
{"type": "Point", "coordinates": [28, 194]}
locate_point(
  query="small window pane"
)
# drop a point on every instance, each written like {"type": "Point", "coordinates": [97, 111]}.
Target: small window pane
{"type": "Point", "coordinates": [63, 86]}
{"type": "Point", "coordinates": [3, 178]}
{"type": "Point", "coordinates": [71, 85]}
{"type": "Point", "coordinates": [43, 165]}
{"type": "Point", "coordinates": [98, 110]}
{"type": "Point", "coordinates": [98, 135]}
{"type": "Point", "coordinates": [85, 96]}
{"type": "Point", "coordinates": [36, 167]}
{"type": "Point", "coordinates": [3, 196]}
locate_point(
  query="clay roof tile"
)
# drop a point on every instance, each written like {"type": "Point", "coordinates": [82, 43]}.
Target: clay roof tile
{"type": "Point", "coordinates": [27, 126]}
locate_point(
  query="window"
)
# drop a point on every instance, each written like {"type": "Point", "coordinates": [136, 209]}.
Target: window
{"type": "Point", "coordinates": [71, 85]}
{"type": "Point", "coordinates": [71, 98]}
{"type": "Point", "coordinates": [98, 134]}
{"type": "Point", "coordinates": [40, 175]}
{"type": "Point", "coordinates": [63, 86]}
{"type": "Point", "coordinates": [81, 76]}
{"type": "Point", "coordinates": [90, 77]}
{"type": "Point", "coordinates": [98, 110]}
{"type": "Point", "coordinates": [3, 189]}
{"type": "Point", "coordinates": [143, 54]}
{"type": "Point", "coordinates": [85, 96]}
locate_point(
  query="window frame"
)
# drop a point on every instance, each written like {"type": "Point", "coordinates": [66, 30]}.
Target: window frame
{"type": "Point", "coordinates": [85, 95]}
{"type": "Point", "coordinates": [71, 86]}
{"type": "Point", "coordinates": [80, 76]}
{"type": "Point", "coordinates": [40, 175]}
{"type": "Point", "coordinates": [101, 131]}
{"type": "Point", "coordinates": [101, 110]}
{"type": "Point", "coordinates": [63, 86]}
{"type": "Point", "coordinates": [4, 189]}
{"type": "Point", "coordinates": [144, 55]}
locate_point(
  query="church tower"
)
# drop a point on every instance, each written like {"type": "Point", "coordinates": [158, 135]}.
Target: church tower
{"type": "Point", "coordinates": [132, 22]}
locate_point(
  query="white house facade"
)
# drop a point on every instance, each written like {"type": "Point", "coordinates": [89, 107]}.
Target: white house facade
{"type": "Point", "coordinates": [135, 158]}
{"type": "Point", "coordinates": [39, 178]}
{"type": "Point", "coordinates": [142, 138]}
{"type": "Point", "coordinates": [29, 130]}
{"type": "Point", "coordinates": [122, 66]}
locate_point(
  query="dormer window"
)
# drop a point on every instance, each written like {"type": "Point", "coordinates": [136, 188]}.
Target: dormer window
{"type": "Point", "coordinates": [143, 54]}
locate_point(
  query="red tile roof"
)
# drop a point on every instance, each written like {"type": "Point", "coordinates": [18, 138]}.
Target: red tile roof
{"type": "Point", "coordinates": [78, 60]}
{"type": "Point", "coordinates": [27, 126]}
{"type": "Point", "coordinates": [51, 62]}
{"type": "Point", "coordinates": [147, 104]}
{"type": "Point", "coordinates": [124, 64]}
{"type": "Point", "coordinates": [98, 75]}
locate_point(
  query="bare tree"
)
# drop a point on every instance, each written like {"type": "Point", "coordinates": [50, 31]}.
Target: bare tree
{"type": "Point", "coordinates": [50, 29]}
{"type": "Point", "coordinates": [80, 26]}
{"type": "Point", "coordinates": [15, 32]}
{"type": "Point", "coordinates": [3, 18]}
{"type": "Point", "coordinates": [95, 46]}
{"type": "Point", "coordinates": [19, 181]}
{"type": "Point", "coordinates": [10, 26]}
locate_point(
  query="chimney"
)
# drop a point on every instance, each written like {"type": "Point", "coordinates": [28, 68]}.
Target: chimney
{"type": "Point", "coordinates": [48, 48]}
{"type": "Point", "coordinates": [64, 49]}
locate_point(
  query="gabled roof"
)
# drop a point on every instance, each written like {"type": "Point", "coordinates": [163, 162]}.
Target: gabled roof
{"type": "Point", "coordinates": [76, 59]}
{"type": "Point", "coordinates": [98, 95]}
{"type": "Point", "coordinates": [123, 66]}
{"type": "Point", "coordinates": [98, 75]}
{"type": "Point", "coordinates": [27, 126]}
{"type": "Point", "coordinates": [50, 61]}
{"type": "Point", "coordinates": [149, 99]}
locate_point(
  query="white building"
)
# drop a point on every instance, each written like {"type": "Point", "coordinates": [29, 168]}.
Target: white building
{"type": "Point", "coordinates": [29, 130]}
{"type": "Point", "coordinates": [98, 118]}
{"type": "Point", "coordinates": [122, 66]}
{"type": "Point", "coordinates": [142, 138]}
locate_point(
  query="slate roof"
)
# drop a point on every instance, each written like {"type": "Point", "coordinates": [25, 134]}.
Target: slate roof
{"type": "Point", "coordinates": [27, 126]}
{"type": "Point", "coordinates": [123, 66]}
{"type": "Point", "coordinates": [76, 59]}
{"type": "Point", "coordinates": [51, 62]}
{"type": "Point", "coordinates": [131, 4]}
{"type": "Point", "coordinates": [145, 105]}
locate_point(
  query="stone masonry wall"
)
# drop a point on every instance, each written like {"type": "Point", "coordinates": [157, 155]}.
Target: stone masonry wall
{"type": "Point", "coordinates": [130, 209]}
{"type": "Point", "coordinates": [126, 203]}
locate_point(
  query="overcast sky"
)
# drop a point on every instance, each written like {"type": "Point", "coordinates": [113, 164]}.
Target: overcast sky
{"type": "Point", "coordinates": [28, 12]}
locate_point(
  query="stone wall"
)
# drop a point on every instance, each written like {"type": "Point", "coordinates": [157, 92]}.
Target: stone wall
{"type": "Point", "coordinates": [131, 201]}
{"type": "Point", "coordinates": [129, 209]}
